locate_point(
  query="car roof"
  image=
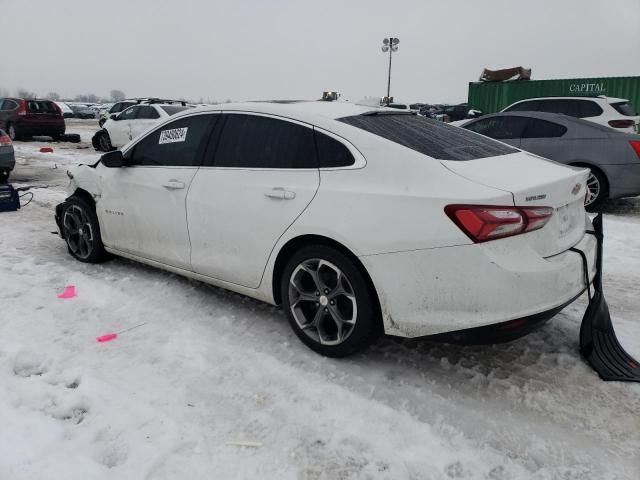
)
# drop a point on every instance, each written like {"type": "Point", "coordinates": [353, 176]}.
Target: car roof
{"type": "Point", "coordinates": [304, 111]}
{"type": "Point", "coordinates": [581, 97]}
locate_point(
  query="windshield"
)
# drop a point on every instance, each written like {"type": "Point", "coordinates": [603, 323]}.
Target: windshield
{"type": "Point", "coordinates": [173, 109]}
{"type": "Point", "coordinates": [429, 137]}
{"type": "Point", "coordinates": [40, 106]}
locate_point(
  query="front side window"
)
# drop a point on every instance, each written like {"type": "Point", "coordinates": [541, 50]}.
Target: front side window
{"type": "Point", "coordinates": [129, 114]}
{"type": "Point", "coordinates": [251, 141]}
{"type": "Point", "coordinates": [429, 137]}
{"type": "Point", "coordinates": [332, 153]}
{"type": "Point", "coordinates": [178, 144]}
{"type": "Point", "coordinates": [537, 128]}
{"type": "Point", "coordinates": [500, 128]}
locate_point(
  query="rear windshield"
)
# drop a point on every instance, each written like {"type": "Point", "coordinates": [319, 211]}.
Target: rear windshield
{"type": "Point", "coordinates": [40, 106]}
{"type": "Point", "coordinates": [624, 108]}
{"type": "Point", "coordinates": [173, 109]}
{"type": "Point", "coordinates": [429, 137]}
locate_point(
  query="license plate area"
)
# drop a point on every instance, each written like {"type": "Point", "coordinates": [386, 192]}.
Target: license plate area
{"type": "Point", "coordinates": [567, 218]}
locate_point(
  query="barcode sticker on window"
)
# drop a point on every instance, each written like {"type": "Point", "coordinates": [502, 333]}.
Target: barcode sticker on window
{"type": "Point", "coordinates": [174, 135]}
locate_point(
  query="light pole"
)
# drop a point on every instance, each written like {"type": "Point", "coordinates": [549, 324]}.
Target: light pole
{"type": "Point", "coordinates": [390, 45]}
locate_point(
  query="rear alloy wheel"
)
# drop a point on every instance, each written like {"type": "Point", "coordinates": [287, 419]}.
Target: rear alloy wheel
{"type": "Point", "coordinates": [328, 302]}
{"type": "Point", "coordinates": [81, 231]}
{"type": "Point", "coordinates": [104, 142]}
{"type": "Point", "coordinates": [596, 190]}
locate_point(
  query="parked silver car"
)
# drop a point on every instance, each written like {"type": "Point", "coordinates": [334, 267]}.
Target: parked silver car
{"type": "Point", "coordinates": [613, 157]}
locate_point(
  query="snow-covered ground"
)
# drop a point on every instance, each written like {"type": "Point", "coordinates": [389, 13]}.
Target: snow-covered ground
{"type": "Point", "coordinates": [209, 368]}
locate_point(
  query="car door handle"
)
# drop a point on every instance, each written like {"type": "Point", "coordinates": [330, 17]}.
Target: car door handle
{"type": "Point", "coordinates": [173, 185]}
{"type": "Point", "coordinates": [280, 193]}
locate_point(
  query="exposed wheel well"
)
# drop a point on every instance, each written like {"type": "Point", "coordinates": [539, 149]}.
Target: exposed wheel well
{"type": "Point", "coordinates": [85, 196]}
{"type": "Point", "coordinates": [305, 240]}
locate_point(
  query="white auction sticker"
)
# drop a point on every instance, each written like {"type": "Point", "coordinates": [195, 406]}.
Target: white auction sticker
{"type": "Point", "coordinates": [173, 135]}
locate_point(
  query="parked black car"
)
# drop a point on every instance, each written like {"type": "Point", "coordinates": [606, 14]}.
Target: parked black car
{"type": "Point", "coordinates": [82, 111]}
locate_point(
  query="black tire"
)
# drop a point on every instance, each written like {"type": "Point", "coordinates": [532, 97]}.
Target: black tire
{"type": "Point", "coordinates": [366, 324]}
{"type": "Point", "coordinates": [104, 142]}
{"type": "Point", "coordinates": [81, 231]}
{"type": "Point", "coordinates": [603, 190]}
{"type": "Point", "coordinates": [11, 131]}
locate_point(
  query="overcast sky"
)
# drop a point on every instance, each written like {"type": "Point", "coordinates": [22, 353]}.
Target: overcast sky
{"type": "Point", "coordinates": [253, 49]}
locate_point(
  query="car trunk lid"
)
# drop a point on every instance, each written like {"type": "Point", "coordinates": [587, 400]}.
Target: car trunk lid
{"type": "Point", "coordinates": [535, 181]}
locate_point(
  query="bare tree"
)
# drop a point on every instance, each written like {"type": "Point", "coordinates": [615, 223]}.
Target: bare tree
{"type": "Point", "coordinates": [88, 98]}
{"type": "Point", "coordinates": [24, 93]}
{"type": "Point", "coordinates": [117, 95]}
{"type": "Point", "coordinates": [53, 96]}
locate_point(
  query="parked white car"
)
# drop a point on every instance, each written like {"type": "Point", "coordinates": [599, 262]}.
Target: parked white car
{"type": "Point", "coordinates": [120, 129]}
{"type": "Point", "coordinates": [612, 112]}
{"type": "Point", "coordinates": [338, 214]}
{"type": "Point", "coordinates": [66, 110]}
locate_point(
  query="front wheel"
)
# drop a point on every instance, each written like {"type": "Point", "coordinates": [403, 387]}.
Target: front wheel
{"type": "Point", "coordinates": [81, 231]}
{"type": "Point", "coordinates": [329, 302]}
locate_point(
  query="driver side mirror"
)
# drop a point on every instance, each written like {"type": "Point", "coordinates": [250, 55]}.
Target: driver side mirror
{"type": "Point", "coordinates": [113, 116]}
{"type": "Point", "coordinates": [114, 159]}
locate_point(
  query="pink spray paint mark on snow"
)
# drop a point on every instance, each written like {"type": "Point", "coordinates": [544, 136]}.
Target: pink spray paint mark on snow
{"type": "Point", "coordinates": [107, 337]}
{"type": "Point", "coordinates": [69, 292]}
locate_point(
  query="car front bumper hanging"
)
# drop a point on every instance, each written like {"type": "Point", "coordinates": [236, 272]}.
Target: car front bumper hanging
{"type": "Point", "coordinates": [599, 345]}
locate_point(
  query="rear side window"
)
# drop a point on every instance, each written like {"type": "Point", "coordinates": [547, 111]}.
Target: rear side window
{"type": "Point", "coordinates": [147, 113]}
{"type": "Point", "coordinates": [332, 153]}
{"type": "Point", "coordinates": [429, 137]}
{"type": "Point", "coordinates": [251, 141]}
{"type": "Point", "coordinates": [500, 128]}
{"type": "Point", "coordinates": [40, 106]}
{"type": "Point", "coordinates": [530, 106]}
{"type": "Point", "coordinates": [177, 144]}
{"type": "Point", "coordinates": [8, 105]}
{"type": "Point", "coordinates": [537, 128]}
{"type": "Point", "coordinates": [573, 108]}
{"type": "Point", "coordinates": [623, 108]}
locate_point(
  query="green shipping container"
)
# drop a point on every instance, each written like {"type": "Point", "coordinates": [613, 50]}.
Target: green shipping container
{"type": "Point", "coordinates": [490, 97]}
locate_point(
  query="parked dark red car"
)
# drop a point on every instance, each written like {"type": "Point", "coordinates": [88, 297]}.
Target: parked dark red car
{"type": "Point", "coordinates": [23, 117]}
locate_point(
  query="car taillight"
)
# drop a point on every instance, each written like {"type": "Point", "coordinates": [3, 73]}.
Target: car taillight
{"type": "Point", "coordinates": [23, 107]}
{"type": "Point", "coordinates": [622, 123]}
{"type": "Point", "coordinates": [482, 223]}
{"type": "Point", "coordinates": [635, 144]}
{"type": "Point", "coordinates": [5, 140]}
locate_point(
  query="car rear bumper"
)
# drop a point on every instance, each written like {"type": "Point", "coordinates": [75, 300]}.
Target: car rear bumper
{"type": "Point", "coordinates": [427, 292]}
{"type": "Point", "coordinates": [7, 159]}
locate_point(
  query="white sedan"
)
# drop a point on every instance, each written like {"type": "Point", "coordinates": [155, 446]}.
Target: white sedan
{"type": "Point", "coordinates": [123, 127]}
{"type": "Point", "coordinates": [356, 220]}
